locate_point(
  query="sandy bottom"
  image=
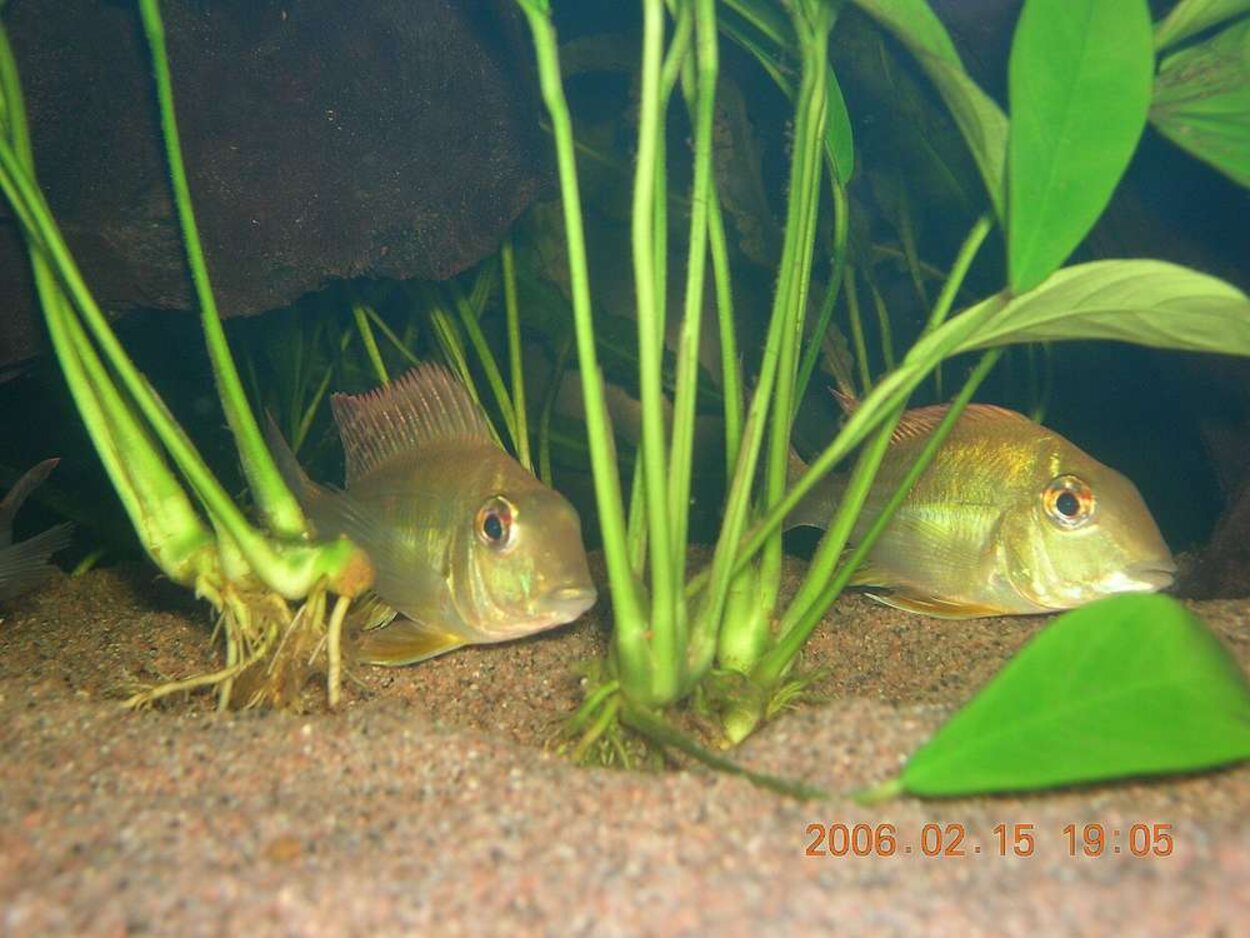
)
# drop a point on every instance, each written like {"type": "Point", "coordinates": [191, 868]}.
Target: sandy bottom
{"type": "Point", "coordinates": [430, 804]}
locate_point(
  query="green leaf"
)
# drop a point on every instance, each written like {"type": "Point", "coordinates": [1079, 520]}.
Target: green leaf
{"type": "Point", "coordinates": [1202, 101]}
{"type": "Point", "coordinates": [980, 121]}
{"type": "Point", "coordinates": [1144, 302]}
{"type": "Point", "coordinates": [1079, 85]}
{"type": "Point", "coordinates": [1190, 17]}
{"type": "Point", "coordinates": [1131, 685]}
{"type": "Point", "coordinates": [839, 141]}
{"type": "Point", "coordinates": [915, 25]}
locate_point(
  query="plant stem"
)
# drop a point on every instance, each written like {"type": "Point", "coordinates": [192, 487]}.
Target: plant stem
{"type": "Point", "coordinates": [890, 392]}
{"type": "Point", "coordinates": [278, 506]}
{"type": "Point", "coordinates": [857, 332]}
{"type": "Point", "coordinates": [812, 22]}
{"type": "Point", "coordinates": [548, 408]}
{"type": "Point", "coordinates": [809, 607]}
{"type": "Point", "coordinates": [630, 619]}
{"type": "Point", "coordinates": [494, 378]}
{"type": "Point", "coordinates": [289, 569]}
{"type": "Point", "coordinates": [883, 323]}
{"type": "Point", "coordinates": [959, 271]}
{"type": "Point", "coordinates": [841, 228]}
{"type": "Point", "coordinates": [663, 679]}
{"type": "Point", "coordinates": [731, 368]}
{"type": "Point", "coordinates": [682, 457]}
{"type": "Point", "coordinates": [389, 334]}
{"type": "Point", "coordinates": [515, 367]}
{"type": "Point", "coordinates": [360, 315]}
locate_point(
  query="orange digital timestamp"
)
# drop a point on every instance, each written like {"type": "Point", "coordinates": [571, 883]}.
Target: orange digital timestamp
{"type": "Point", "coordinates": [1138, 840]}
{"type": "Point", "coordinates": [838, 839]}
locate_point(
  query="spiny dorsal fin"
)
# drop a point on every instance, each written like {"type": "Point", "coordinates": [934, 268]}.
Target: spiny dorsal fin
{"type": "Point", "coordinates": [425, 405]}
{"type": "Point", "coordinates": [924, 420]}
{"type": "Point", "coordinates": [921, 421]}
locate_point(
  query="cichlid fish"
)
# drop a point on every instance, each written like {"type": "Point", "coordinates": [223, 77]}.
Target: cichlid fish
{"type": "Point", "coordinates": [1009, 519]}
{"type": "Point", "coordinates": [466, 544]}
{"type": "Point", "coordinates": [24, 566]}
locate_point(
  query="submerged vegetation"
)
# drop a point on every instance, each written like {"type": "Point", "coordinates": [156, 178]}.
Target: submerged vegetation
{"type": "Point", "coordinates": [1085, 76]}
{"type": "Point", "coordinates": [1048, 172]}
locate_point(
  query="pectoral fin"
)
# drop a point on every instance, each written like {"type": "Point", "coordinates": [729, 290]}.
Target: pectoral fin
{"type": "Point", "coordinates": [368, 612]}
{"type": "Point", "coordinates": [405, 642]}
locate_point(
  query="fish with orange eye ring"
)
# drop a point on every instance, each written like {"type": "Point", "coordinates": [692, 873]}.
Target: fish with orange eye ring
{"type": "Point", "coordinates": [1010, 518]}
{"type": "Point", "coordinates": [467, 546]}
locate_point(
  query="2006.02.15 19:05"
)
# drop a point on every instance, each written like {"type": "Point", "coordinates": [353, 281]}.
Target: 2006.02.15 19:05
{"type": "Point", "coordinates": [1093, 840]}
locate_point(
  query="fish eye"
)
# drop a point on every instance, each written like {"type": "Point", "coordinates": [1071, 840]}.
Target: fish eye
{"type": "Point", "coordinates": [1068, 501]}
{"type": "Point", "coordinates": [494, 522]}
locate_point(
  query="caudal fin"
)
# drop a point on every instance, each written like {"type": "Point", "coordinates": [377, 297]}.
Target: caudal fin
{"type": "Point", "coordinates": [25, 566]}
{"type": "Point", "coordinates": [15, 496]}
{"type": "Point", "coordinates": [816, 507]}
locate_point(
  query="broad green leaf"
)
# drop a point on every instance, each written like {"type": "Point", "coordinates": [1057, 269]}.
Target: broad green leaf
{"type": "Point", "coordinates": [1141, 302]}
{"type": "Point", "coordinates": [1145, 302]}
{"type": "Point", "coordinates": [1202, 101]}
{"type": "Point", "coordinates": [1131, 685]}
{"type": "Point", "coordinates": [980, 120]}
{"type": "Point", "coordinates": [1079, 86]}
{"type": "Point", "coordinates": [1190, 17]}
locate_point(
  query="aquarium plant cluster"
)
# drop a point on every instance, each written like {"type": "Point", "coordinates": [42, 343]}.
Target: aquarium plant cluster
{"type": "Point", "coordinates": [1085, 79]}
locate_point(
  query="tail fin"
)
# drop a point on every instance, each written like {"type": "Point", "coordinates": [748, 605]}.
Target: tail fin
{"type": "Point", "coordinates": [816, 507]}
{"type": "Point", "coordinates": [14, 498]}
{"type": "Point", "coordinates": [25, 566]}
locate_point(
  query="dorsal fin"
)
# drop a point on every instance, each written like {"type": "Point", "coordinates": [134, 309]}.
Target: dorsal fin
{"type": "Point", "coordinates": [427, 404]}
{"type": "Point", "coordinates": [922, 421]}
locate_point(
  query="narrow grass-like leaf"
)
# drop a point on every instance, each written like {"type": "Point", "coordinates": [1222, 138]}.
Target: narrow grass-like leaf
{"type": "Point", "coordinates": [1190, 17]}
{"type": "Point", "coordinates": [980, 120]}
{"type": "Point", "coordinates": [1202, 101]}
{"type": "Point", "coordinates": [916, 25]}
{"type": "Point", "coordinates": [1132, 685]}
{"type": "Point", "coordinates": [1080, 78]}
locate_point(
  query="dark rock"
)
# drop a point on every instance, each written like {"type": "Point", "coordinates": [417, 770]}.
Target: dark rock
{"type": "Point", "coordinates": [323, 140]}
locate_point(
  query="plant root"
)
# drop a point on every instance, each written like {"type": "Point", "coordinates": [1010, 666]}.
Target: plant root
{"type": "Point", "coordinates": [271, 651]}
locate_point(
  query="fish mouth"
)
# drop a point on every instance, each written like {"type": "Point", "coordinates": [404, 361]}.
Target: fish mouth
{"type": "Point", "coordinates": [568, 602]}
{"type": "Point", "coordinates": [1155, 575]}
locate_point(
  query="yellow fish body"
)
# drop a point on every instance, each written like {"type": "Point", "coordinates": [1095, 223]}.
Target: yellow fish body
{"type": "Point", "coordinates": [467, 545]}
{"type": "Point", "coordinates": [1009, 519]}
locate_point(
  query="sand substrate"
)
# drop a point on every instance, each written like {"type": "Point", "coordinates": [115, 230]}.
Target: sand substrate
{"type": "Point", "coordinates": [430, 805]}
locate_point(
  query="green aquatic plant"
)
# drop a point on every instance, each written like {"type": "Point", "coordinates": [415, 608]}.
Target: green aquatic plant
{"type": "Point", "coordinates": [185, 519]}
{"type": "Point", "coordinates": [1131, 685]}
{"type": "Point", "coordinates": [723, 632]}
{"type": "Point", "coordinates": [1047, 170]}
